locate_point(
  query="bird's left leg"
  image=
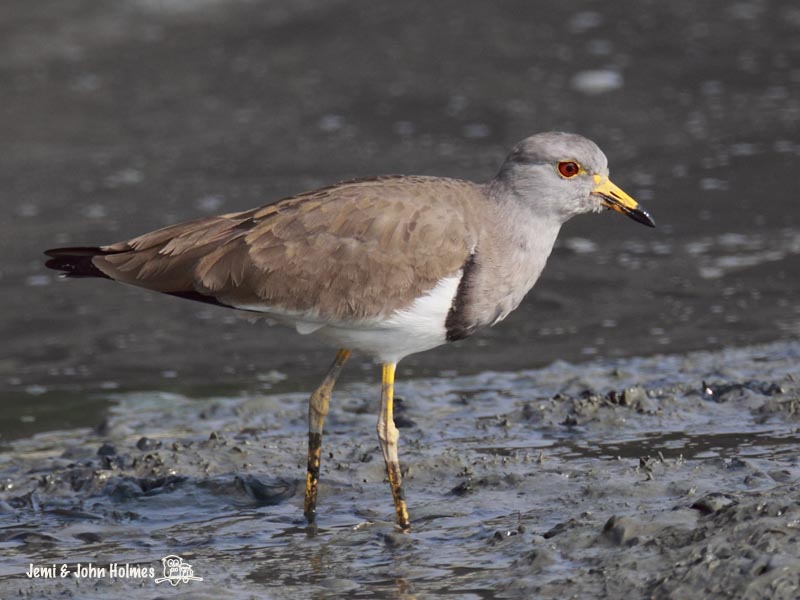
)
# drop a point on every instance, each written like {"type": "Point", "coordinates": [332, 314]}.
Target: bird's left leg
{"type": "Point", "coordinates": [388, 436]}
{"type": "Point", "coordinates": [317, 410]}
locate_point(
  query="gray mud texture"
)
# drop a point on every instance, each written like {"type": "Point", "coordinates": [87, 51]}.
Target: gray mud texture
{"type": "Point", "coordinates": [665, 477]}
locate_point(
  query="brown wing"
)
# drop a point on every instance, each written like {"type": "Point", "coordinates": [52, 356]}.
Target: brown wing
{"type": "Point", "coordinates": [355, 250]}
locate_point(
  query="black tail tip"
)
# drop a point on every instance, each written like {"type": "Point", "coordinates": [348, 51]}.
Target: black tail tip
{"type": "Point", "coordinates": [75, 262]}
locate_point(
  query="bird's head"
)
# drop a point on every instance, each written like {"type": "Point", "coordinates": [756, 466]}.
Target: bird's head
{"type": "Point", "coordinates": [563, 175]}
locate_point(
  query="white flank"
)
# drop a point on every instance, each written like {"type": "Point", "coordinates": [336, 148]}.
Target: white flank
{"type": "Point", "coordinates": [413, 329]}
{"type": "Point", "coordinates": [306, 327]}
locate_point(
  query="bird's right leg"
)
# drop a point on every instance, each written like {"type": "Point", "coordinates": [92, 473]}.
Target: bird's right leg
{"type": "Point", "coordinates": [388, 437]}
{"type": "Point", "coordinates": [317, 409]}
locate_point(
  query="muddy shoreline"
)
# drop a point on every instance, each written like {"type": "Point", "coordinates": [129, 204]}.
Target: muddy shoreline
{"type": "Point", "coordinates": [654, 477]}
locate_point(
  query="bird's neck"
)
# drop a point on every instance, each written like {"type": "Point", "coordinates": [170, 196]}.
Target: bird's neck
{"type": "Point", "coordinates": [510, 256]}
{"type": "Point", "coordinates": [521, 222]}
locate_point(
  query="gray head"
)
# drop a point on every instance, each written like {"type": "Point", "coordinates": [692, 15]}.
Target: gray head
{"type": "Point", "coordinates": [561, 175]}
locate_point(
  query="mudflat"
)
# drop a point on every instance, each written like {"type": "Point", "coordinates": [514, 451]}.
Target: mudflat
{"type": "Point", "coordinates": [665, 477]}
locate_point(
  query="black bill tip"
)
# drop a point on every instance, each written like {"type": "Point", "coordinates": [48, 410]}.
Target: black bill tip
{"type": "Point", "coordinates": [641, 216]}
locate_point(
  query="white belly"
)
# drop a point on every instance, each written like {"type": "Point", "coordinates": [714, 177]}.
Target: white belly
{"type": "Point", "coordinates": [419, 327]}
{"type": "Point", "coordinates": [414, 329]}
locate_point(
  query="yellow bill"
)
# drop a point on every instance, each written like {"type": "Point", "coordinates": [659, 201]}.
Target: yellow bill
{"type": "Point", "coordinates": [616, 199]}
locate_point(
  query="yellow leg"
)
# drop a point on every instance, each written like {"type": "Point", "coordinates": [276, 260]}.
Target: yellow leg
{"type": "Point", "coordinates": [317, 410]}
{"type": "Point", "coordinates": [388, 436]}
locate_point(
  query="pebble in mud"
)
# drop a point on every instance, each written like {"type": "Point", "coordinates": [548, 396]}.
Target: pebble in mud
{"type": "Point", "coordinates": [621, 531]}
{"type": "Point", "coordinates": [146, 444]}
{"type": "Point", "coordinates": [537, 559]}
{"type": "Point", "coordinates": [266, 494]}
{"type": "Point", "coordinates": [106, 450]}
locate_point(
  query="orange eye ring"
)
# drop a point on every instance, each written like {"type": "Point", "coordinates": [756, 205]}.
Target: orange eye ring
{"type": "Point", "coordinates": [568, 168]}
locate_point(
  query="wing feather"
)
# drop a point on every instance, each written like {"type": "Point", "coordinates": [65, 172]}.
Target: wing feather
{"type": "Point", "coordinates": [356, 250]}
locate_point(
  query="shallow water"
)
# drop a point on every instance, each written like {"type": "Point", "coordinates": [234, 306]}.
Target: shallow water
{"type": "Point", "coordinates": [572, 479]}
{"type": "Point", "coordinates": [118, 118]}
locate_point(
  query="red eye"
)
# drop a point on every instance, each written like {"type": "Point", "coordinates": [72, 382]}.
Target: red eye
{"type": "Point", "coordinates": [568, 168]}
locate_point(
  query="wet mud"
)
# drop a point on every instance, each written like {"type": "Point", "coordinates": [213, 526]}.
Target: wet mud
{"type": "Point", "coordinates": [668, 477]}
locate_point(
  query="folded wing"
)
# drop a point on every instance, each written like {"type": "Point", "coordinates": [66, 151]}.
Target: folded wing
{"type": "Point", "coordinates": [330, 254]}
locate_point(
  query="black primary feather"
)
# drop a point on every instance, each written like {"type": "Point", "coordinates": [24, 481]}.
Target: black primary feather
{"type": "Point", "coordinates": [75, 262]}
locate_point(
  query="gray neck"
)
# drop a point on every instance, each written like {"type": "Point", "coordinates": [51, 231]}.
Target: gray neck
{"type": "Point", "coordinates": [511, 254]}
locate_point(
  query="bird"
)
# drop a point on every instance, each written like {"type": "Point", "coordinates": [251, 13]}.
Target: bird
{"type": "Point", "coordinates": [387, 266]}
